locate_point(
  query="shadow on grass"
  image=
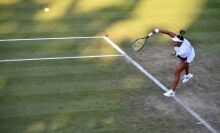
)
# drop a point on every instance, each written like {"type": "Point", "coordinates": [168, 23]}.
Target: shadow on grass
{"type": "Point", "coordinates": [18, 21]}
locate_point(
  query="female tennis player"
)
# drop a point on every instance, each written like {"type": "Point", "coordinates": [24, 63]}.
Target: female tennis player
{"type": "Point", "coordinates": [185, 52]}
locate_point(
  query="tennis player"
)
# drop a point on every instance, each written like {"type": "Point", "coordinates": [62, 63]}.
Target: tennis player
{"type": "Point", "coordinates": [185, 52]}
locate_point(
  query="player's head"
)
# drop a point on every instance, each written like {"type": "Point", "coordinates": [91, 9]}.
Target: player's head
{"type": "Point", "coordinates": [178, 39]}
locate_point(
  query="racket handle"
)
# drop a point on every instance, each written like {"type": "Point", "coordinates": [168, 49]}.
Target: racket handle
{"type": "Point", "coordinates": [150, 34]}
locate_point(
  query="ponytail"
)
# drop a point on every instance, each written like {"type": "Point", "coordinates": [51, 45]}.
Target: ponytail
{"type": "Point", "coordinates": [182, 32]}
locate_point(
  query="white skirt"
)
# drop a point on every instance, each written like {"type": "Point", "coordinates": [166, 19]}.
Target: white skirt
{"type": "Point", "coordinates": [192, 56]}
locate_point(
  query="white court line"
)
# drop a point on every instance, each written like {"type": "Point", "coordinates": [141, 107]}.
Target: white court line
{"type": "Point", "coordinates": [53, 38]}
{"type": "Point", "coordinates": [58, 58]}
{"type": "Point", "coordinates": [193, 113]}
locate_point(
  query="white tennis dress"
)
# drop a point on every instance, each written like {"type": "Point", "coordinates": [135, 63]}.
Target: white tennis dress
{"type": "Point", "coordinates": [185, 51]}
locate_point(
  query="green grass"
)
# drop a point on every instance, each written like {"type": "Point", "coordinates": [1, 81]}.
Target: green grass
{"type": "Point", "coordinates": [103, 95]}
{"type": "Point", "coordinates": [75, 95]}
{"type": "Point", "coordinates": [50, 90]}
{"type": "Point", "coordinates": [79, 95]}
{"type": "Point", "coordinates": [54, 48]}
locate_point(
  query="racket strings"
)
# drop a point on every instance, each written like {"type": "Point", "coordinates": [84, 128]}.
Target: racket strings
{"type": "Point", "coordinates": [139, 44]}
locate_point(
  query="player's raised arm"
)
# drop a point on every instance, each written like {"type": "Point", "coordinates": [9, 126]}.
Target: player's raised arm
{"type": "Point", "coordinates": [169, 33]}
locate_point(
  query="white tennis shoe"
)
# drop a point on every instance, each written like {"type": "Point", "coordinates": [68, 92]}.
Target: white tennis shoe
{"type": "Point", "coordinates": [169, 93]}
{"type": "Point", "coordinates": [187, 77]}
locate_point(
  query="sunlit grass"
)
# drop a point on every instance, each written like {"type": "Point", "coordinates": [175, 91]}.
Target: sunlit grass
{"type": "Point", "coordinates": [44, 1]}
{"type": "Point", "coordinates": [57, 8]}
{"type": "Point", "coordinates": [146, 15]}
{"type": "Point", "coordinates": [8, 2]}
{"type": "Point", "coordinates": [101, 49]}
{"type": "Point", "coordinates": [88, 6]}
{"type": "Point", "coordinates": [59, 121]}
{"type": "Point", "coordinates": [172, 15]}
{"type": "Point", "coordinates": [36, 127]}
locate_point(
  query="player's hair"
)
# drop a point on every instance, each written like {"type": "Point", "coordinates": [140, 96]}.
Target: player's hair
{"type": "Point", "coordinates": [182, 32]}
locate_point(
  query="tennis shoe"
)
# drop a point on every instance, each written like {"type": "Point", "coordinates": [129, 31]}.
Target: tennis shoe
{"type": "Point", "coordinates": [169, 93]}
{"type": "Point", "coordinates": [187, 77]}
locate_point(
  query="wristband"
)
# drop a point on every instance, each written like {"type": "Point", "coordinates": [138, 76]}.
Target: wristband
{"type": "Point", "coordinates": [156, 30]}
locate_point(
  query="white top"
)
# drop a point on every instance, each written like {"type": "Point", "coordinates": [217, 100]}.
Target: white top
{"type": "Point", "coordinates": [184, 50]}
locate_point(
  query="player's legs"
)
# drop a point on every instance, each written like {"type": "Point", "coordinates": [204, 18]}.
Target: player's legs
{"type": "Point", "coordinates": [182, 66]}
{"type": "Point", "coordinates": [187, 69]}
{"type": "Point", "coordinates": [188, 75]}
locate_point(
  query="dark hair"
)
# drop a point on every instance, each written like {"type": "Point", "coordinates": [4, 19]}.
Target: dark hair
{"type": "Point", "coordinates": [182, 32]}
{"type": "Point", "coordinates": [180, 36]}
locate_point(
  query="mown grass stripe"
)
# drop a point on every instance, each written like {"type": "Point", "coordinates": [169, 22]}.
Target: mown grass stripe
{"type": "Point", "coordinates": [22, 110]}
{"type": "Point", "coordinates": [72, 119]}
{"type": "Point", "coordinates": [60, 97]}
{"type": "Point", "coordinates": [45, 73]}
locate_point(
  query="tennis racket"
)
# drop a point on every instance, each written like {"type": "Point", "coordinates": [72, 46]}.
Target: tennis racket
{"type": "Point", "coordinates": [140, 42]}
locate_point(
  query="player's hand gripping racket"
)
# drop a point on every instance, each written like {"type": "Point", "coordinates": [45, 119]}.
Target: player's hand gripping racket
{"type": "Point", "coordinates": [140, 42]}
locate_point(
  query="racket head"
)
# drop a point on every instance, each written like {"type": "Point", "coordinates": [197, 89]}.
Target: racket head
{"type": "Point", "coordinates": [139, 43]}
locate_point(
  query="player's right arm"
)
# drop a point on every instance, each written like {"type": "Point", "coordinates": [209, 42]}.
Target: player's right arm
{"type": "Point", "coordinates": [169, 33]}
